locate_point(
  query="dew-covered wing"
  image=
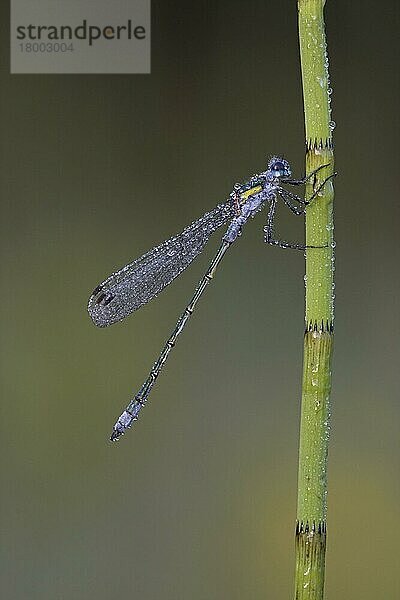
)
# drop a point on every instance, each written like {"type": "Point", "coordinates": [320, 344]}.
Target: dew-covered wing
{"type": "Point", "coordinates": [136, 284]}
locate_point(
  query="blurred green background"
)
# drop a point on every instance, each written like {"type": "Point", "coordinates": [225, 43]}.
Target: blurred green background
{"type": "Point", "coordinates": [199, 500]}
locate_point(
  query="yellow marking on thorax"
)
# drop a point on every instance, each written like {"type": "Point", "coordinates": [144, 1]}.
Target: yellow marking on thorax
{"type": "Point", "coordinates": [250, 192]}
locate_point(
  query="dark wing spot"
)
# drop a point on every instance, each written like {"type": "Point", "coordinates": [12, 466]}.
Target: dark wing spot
{"type": "Point", "coordinates": [97, 290]}
{"type": "Point", "coordinates": [100, 299]}
{"type": "Point", "coordinates": [108, 299]}
{"type": "Point", "coordinates": [104, 299]}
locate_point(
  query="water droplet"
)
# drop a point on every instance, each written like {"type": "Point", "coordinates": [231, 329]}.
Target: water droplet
{"type": "Point", "coordinates": [332, 125]}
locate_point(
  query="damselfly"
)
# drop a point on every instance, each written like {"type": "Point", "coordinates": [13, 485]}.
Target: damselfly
{"type": "Point", "coordinates": [138, 282]}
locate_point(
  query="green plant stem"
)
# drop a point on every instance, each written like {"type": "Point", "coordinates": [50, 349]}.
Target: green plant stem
{"type": "Point", "coordinates": [318, 338]}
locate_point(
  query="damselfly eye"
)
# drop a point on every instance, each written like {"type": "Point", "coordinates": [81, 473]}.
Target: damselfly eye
{"type": "Point", "coordinates": [279, 167]}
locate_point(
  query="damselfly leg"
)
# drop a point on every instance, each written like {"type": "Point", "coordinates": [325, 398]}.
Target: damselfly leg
{"type": "Point", "coordinates": [289, 198]}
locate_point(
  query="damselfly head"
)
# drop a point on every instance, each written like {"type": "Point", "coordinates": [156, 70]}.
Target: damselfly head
{"type": "Point", "coordinates": [279, 167]}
